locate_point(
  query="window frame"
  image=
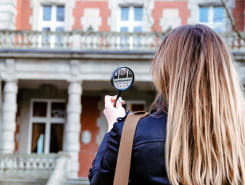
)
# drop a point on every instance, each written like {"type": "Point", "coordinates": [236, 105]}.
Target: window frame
{"type": "Point", "coordinates": [53, 23]}
{"type": "Point", "coordinates": [129, 103]}
{"type": "Point", "coordinates": [211, 23]}
{"type": "Point", "coordinates": [48, 121]}
{"type": "Point", "coordinates": [130, 23]}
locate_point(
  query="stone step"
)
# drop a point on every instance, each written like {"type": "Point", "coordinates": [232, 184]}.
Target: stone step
{"type": "Point", "coordinates": [77, 181]}
{"type": "Point", "coordinates": [25, 181]}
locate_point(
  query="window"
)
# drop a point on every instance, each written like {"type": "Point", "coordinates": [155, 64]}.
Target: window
{"type": "Point", "coordinates": [47, 126]}
{"type": "Point", "coordinates": [131, 19]}
{"type": "Point", "coordinates": [135, 106]}
{"type": "Point", "coordinates": [213, 17]}
{"type": "Point", "coordinates": [52, 19]}
{"type": "Point", "coordinates": [46, 13]}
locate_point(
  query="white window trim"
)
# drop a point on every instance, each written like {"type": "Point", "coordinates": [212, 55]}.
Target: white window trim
{"type": "Point", "coordinates": [48, 120]}
{"type": "Point", "coordinates": [35, 18]}
{"type": "Point", "coordinates": [130, 23]}
{"type": "Point", "coordinates": [52, 23]}
{"type": "Point", "coordinates": [211, 22]}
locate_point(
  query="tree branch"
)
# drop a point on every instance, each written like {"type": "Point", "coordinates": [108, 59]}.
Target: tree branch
{"type": "Point", "coordinates": [234, 27]}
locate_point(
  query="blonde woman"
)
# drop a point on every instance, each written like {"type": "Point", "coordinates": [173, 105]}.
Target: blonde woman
{"type": "Point", "coordinates": [196, 132]}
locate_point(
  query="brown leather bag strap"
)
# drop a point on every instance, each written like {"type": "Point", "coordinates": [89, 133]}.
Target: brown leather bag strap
{"type": "Point", "coordinates": [125, 149]}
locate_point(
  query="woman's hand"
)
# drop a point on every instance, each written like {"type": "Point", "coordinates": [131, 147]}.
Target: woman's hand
{"type": "Point", "coordinates": [112, 113]}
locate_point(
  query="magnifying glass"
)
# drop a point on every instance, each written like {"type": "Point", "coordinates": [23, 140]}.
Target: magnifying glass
{"type": "Point", "coordinates": [122, 79]}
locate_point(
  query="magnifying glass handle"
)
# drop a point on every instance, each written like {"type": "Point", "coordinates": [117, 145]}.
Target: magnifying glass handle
{"type": "Point", "coordinates": [118, 95]}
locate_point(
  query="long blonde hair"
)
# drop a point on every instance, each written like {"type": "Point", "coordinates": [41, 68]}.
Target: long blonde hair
{"type": "Point", "coordinates": [199, 89]}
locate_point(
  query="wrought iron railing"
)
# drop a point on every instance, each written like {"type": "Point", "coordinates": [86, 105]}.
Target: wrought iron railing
{"type": "Point", "coordinates": [76, 40]}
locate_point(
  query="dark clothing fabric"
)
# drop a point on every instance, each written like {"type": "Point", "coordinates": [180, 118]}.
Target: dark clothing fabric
{"type": "Point", "coordinates": [148, 163]}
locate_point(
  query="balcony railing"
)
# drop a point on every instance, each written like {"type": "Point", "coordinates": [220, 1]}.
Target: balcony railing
{"type": "Point", "coordinates": [49, 169]}
{"type": "Point", "coordinates": [109, 41]}
{"type": "Point", "coordinates": [21, 165]}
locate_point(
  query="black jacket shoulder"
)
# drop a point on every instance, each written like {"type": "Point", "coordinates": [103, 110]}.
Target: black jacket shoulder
{"type": "Point", "coordinates": [148, 161]}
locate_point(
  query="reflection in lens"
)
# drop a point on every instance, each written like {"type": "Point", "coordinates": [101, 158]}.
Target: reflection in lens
{"type": "Point", "coordinates": [115, 75]}
{"type": "Point", "coordinates": [122, 73]}
{"type": "Point", "coordinates": [130, 74]}
{"type": "Point", "coordinates": [122, 78]}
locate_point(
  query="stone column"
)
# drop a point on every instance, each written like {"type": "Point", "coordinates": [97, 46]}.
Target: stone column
{"type": "Point", "coordinates": [72, 128]}
{"type": "Point", "coordinates": [0, 100]}
{"type": "Point", "coordinates": [8, 122]}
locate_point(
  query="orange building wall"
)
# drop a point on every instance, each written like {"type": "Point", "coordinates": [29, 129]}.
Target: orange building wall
{"type": "Point", "coordinates": [17, 131]}
{"type": "Point", "coordinates": [90, 114]}
{"type": "Point", "coordinates": [78, 12]}
{"type": "Point", "coordinates": [23, 15]}
{"type": "Point", "coordinates": [239, 14]}
{"type": "Point", "coordinates": [160, 5]}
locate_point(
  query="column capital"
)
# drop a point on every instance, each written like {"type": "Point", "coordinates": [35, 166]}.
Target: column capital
{"type": "Point", "coordinates": [11, 86]}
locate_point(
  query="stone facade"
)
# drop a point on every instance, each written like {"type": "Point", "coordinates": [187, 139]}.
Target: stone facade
{"type": "Point", "coordinates": [77, 70]}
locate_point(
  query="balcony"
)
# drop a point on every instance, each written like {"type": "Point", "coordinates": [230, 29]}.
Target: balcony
{"type": "Point", "coordinates": [94, 41]}
{"type": "Point", "coordinates": [33, 169]}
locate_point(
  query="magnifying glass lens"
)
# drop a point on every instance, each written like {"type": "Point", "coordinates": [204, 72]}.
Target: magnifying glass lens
{"type": "Point", "coordinates": [122, 78]}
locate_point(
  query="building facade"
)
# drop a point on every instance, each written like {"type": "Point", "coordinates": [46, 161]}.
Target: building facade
{"type": "Point", "coordinates": [56, 60]}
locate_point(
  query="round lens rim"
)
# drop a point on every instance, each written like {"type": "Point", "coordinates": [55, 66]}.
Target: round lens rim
{"type": "Point", "coordinates": [117, 69]}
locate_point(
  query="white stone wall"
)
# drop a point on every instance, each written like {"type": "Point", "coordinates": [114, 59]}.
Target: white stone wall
{"type": "Point", "coordinates": [91, 19]}
{"type": "Point", "coordinates": [61, 69]}
{"type": "Point", "coordinates": [170, 18]}
{"type": "Point", "coordinates": [7, 14]}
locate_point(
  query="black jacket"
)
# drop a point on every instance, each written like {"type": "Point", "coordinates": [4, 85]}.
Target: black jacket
{"type": "Point", "coordinates": [148, 163]}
